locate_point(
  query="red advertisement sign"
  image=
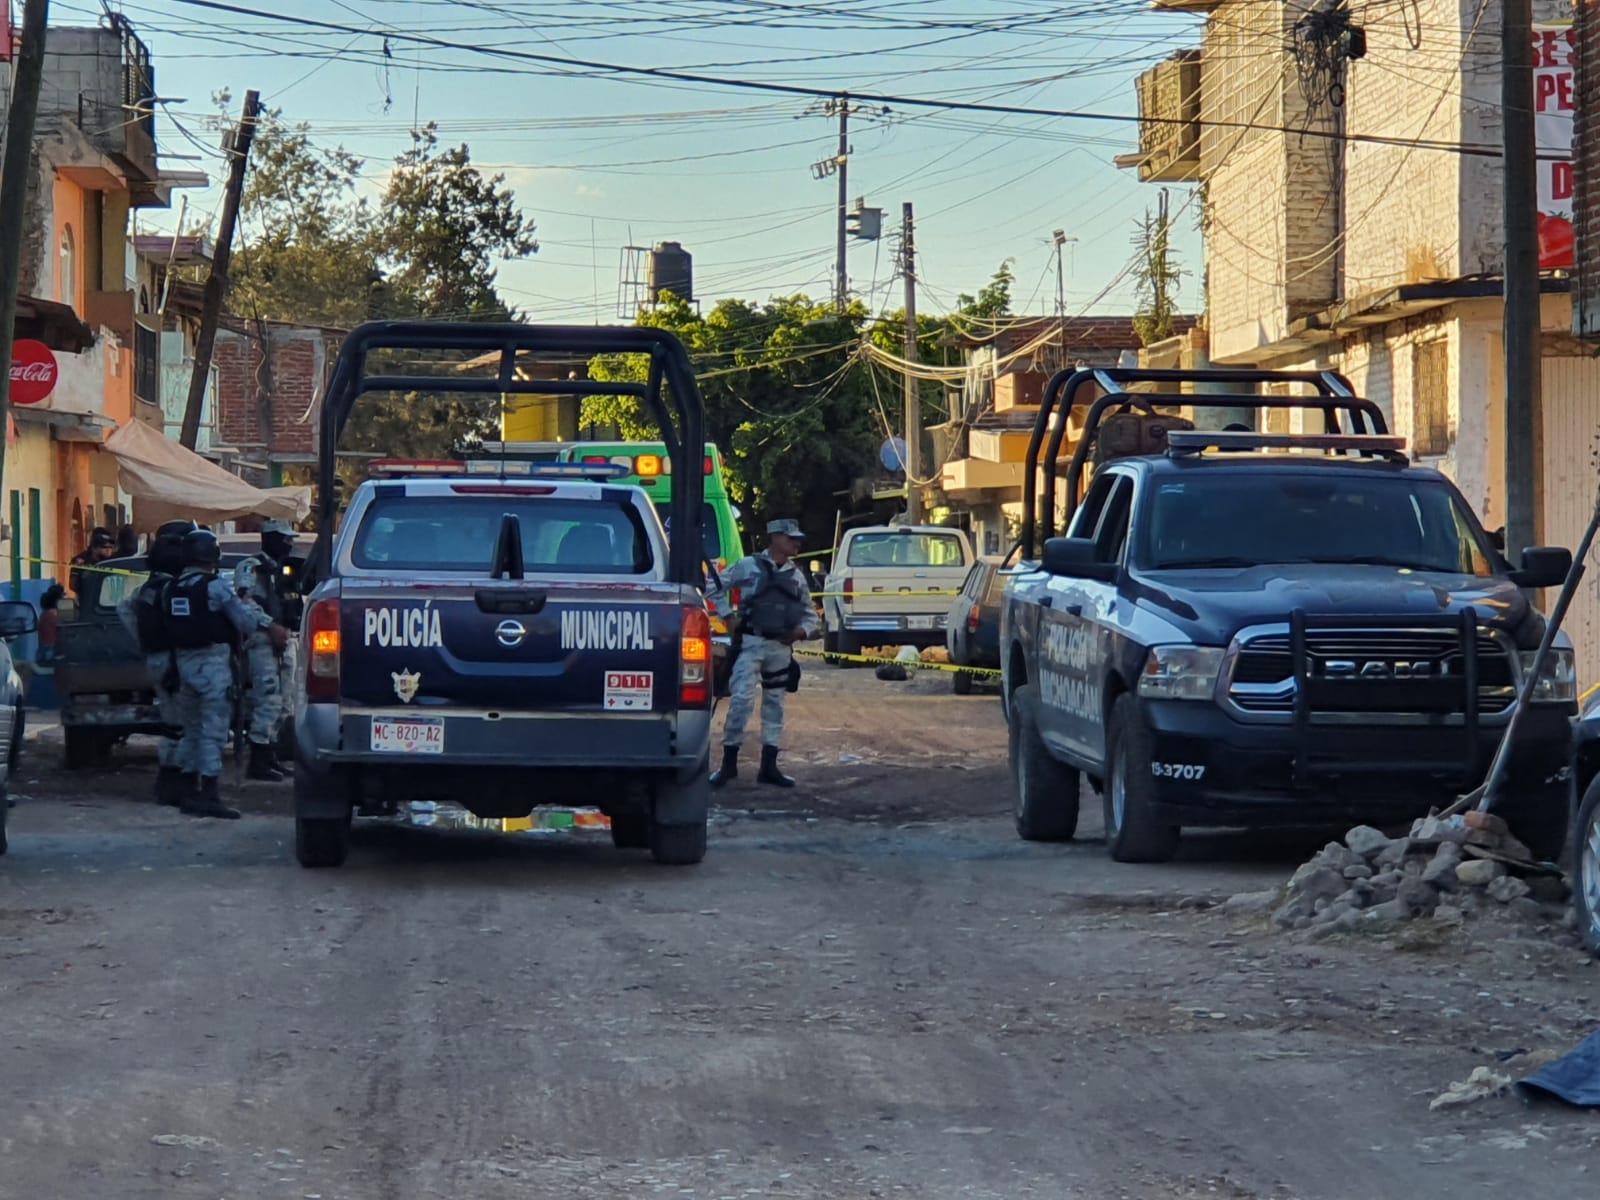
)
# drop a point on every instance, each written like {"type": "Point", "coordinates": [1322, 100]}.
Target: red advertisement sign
{"type": "Point", "coordinates": [1553, 98]}
{"type": "Point", "coordinates": [33, 369]}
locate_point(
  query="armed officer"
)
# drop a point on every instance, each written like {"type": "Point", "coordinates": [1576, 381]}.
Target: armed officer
{"type": "Point", "coordinates": [141, 614]}
{"type": "Point", "coordinates": [775, 612]}
{"type": "Point", "coordinates": [205, 618]}
{"type": "Point", "coordinates": [261, 579]}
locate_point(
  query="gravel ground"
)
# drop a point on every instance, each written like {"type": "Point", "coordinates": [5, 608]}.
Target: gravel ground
{"type": "Point", "coordinates": [870, 988]}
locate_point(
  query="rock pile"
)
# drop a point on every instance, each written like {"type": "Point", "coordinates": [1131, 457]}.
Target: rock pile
{"type": "Point", "coordinates": [1445, 870]}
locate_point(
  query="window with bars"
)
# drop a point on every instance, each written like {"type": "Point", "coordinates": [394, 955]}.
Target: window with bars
{"type": "Point", "coordinates": [1430, 398]}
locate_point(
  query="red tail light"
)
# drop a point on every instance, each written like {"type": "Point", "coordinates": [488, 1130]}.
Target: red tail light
{"type": "Point", "coordinates": [972, 620]}
{"type": "Point", "coordinates": [849, 590]}
{"type": "Point", "coordinates": [322, 661]}
{"type": "Point", "coordinates": [694, 659]}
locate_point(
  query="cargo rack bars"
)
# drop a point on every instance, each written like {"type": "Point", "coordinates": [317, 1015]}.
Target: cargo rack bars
{"type": "Point", "coordinates": [1334, 394]}
{"type": "Point", "coordinates": [669, 394]}
{"type": "Point", "coordinates": [1190, 443]}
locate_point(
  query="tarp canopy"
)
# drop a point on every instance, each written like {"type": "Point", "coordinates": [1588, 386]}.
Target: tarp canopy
{"type": "Point", "coordinates": [169, 482]}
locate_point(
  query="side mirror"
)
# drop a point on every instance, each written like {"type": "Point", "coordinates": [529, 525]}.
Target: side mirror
{"type": "Point", "coordinates": [1497, 539]}
{"type": "Point", "coordinates": [17, 618]}
{"type": "Point", "coordinates": [1543, 567]}
{"type": "Point", "coordinates": [1075, 558]}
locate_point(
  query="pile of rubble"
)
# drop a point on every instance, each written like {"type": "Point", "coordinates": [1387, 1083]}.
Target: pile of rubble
{"type": "Point", "coordinates": [1447, 869]}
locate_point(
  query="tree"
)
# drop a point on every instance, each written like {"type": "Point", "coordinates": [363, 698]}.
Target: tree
{"type": "Point", "coordinates": [791, 409]}
{"type": "Point", "coordinates": [445, 225]}
{"type": "Point", "coordinates": [1156, 274]}
{"type": "Point", "coordinates": [993, 299]}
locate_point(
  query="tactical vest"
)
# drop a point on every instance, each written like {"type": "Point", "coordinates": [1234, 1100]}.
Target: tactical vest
{"type": "Point", "coordinates": [191, 622]}
{"type": "Point", "coordinates": [776, 605]}
{"type": "Point", "coordinates": [147, 612]}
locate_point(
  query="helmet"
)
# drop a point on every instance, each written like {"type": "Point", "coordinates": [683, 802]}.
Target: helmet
{"type": "Point", "coordinates": [166, 548]}
{"type": "Point", "coordinates": [200, 549]}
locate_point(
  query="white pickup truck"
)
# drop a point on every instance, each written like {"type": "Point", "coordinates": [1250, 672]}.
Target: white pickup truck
{"type": "Point", "coordinates": [891, 585]}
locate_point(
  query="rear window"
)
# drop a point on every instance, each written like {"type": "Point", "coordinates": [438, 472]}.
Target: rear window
{"type": "Point", "coordinates": [458, 533]}
{"type": "Point", "coordinates": [996, 589]}
{"type": "Point", "coordinates": [116, 588]}
{"type": "Point", "coordinates": [905, 550]}
{"type": "Point", "coordinates": [710, 534]}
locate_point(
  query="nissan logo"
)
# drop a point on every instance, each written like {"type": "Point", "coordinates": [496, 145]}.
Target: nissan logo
{"type": "Point", "coordinates": [509, 633]}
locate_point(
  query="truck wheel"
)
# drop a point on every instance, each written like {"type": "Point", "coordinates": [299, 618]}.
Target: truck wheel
{"type": "Point", "coordinates": [681, 842]}
{"type": "Point", "coordinates": [961, 683]}
{"type": "Point", "coordinates": [1044, 791]}
{"type": "Point", "coordinates": [85, 748]}
{"type": "Point", "coordinates": [631, 831]}
{"type": "Point", "coordinates": [846, 644]}
{"type": "Point", "coordinates": [1539, 818]}
{"type": "Point", "coordinates": [1586, 868]}
{"type": "Point", "coordinates": [830, 646]}
{"type": "Point", "coordinates": [1133, 833]}
{"type": "Point", "coordinates": [321, 841]}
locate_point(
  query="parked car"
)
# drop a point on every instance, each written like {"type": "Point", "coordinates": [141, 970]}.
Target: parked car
{"type": "Point", "coordinates": [891, 585]}
{"type": "Point", "coordinates": [17, 619]}
{"type": "Point", "coordinates": [972, 626]}
{"type": "Point", "coordinates": [1584, 842]}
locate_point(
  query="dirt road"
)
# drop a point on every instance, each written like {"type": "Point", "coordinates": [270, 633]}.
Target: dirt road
{"type": "Point", "coordinates": [870, 988]}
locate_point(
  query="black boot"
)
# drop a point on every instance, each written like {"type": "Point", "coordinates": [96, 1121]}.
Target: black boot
{"type": "Point", "coordinates": [207, 803]}
{"type": "Point", "coordinates": [263, 765]}
{"type": "Point", "coordinates": [169, 786]}
{"type": "Point", "coordinates": [187, 790]}
{"type": "Point", "coordinates": [729, 769]}
{"type": "Point", "coordinates": [769, 772]}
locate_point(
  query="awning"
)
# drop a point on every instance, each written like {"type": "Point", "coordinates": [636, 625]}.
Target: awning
{"type": "Point", "coordinates": [171, 483]}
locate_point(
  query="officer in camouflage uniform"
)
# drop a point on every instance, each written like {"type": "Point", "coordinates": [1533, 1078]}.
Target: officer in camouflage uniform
{"type": "Point", "coordinates": [259, 580]}
{"type": "Point", "coordinates": [141, 613]}
{"type": "Point", "coordinates": [205, 618]}
{"type": "Point", "coordinates": [775, 612]}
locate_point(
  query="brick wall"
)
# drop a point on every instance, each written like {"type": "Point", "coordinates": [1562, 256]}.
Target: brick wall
{"type": "Point", "coordinates": [1586, 159]}
{"type": "Point", "coordinates": [276, 410]}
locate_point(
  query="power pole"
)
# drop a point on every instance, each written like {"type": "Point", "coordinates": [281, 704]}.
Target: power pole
{"type": "Point", "coordinates": [1521, 329]}
{"type": "Point", "coordinates": [217, 283]}
{"type": "Point", "coordinates": [913, 399]}
{"type": "Point", "coordinates": [841, 275]}
{"type": "Point", "coordinates": [1060, 238]}
{"type": "Point", "coordinates": [27, 74]}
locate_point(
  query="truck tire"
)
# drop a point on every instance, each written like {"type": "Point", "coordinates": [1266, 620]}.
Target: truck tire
{"type": "Point", "coordinates": [85, 748]}
{"type": "Point", "coordinates": [830, 646]}
{"type": "Point", "coordinates": [961, 683]}
{"type": "Point", "coordinates": [681, 841]}
{"type": "Point", "coordinates": [321, 841]}
{"type": "Point", "coordinates": [1539, 818]}
{"type": "Point", "coordinates": [631, 831]}
{"type": "Point", "coordinates": [1044, 791]}
{"type": "Point", "coordinates": [1133, 832]}
{"type": "Point", "coordinates": [1586, 867]}
{"type": "Point", "coordinates": [848, 644]}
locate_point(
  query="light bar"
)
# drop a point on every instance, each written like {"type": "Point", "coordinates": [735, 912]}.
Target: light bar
{"type": "Point", "coordinates": [1187, 441]}
{"type": "Point", "coordinates": [544, 470]}
{"type": "Point", "coordinates": [396, 468]}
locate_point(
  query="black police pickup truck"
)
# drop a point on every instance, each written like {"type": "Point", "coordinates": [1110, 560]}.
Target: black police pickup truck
{"type": "Point", "coordinates": [525, 636]}
{"type": "Point", "coordinates": [1244, 629]}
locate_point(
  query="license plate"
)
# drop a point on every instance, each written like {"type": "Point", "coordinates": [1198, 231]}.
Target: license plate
{"type": "Point", "coordinates": [919, 622]}
{"type": "Point", "coordinates": [424, 736]}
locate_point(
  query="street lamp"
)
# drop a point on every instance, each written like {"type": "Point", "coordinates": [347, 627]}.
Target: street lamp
{"type": "Point", "coordinates": [1061, 239]}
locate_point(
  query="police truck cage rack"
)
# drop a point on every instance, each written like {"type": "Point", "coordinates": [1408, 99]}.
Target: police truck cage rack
{"type": "Point", "coordinates": [1332, 393]}
{"type": "Point", "coordinates": [1190, 443]}
{"type": "Point", "coordinates": [669, 395]}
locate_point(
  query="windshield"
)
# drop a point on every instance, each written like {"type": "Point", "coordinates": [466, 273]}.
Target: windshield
{"type": "Point", "coordinates": [1250, 518]}
{"type": "Point", "coordinates": [905, 550]}
{"type": "Point", "coordinates": [710, 535]}
{"type": "Point", "coordinates": [458, 533]}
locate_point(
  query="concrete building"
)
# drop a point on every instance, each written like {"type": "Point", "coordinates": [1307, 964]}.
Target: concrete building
{"type": "Point", "coordinates": [96, 162]}
{"type": "Point", "coordinates": [167, 304]}
{"type": "Point", "coordinates": [982, 448]}
{"type": "Point", "coordinates": [1350, 225]}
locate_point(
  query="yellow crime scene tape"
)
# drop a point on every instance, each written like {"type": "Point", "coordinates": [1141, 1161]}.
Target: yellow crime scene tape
{"type": "Point", "coordinates": [919, 665]}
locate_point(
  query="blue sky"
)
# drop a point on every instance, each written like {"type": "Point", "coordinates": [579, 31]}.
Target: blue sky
{"type": "Point", "coordinates": [602, 160]}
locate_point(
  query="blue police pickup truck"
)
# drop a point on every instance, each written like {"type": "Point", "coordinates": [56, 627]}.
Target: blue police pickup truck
{"type": "Point", "coordinates": [507, 636]}
{"type": "Point", "coordinates": [1245, 629]}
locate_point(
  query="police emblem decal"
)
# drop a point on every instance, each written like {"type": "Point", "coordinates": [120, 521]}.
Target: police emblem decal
{"type": "Point", "coordinates": [405, 684]}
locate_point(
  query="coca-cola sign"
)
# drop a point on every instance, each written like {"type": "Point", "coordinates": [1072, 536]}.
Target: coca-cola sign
{"type": "Point", "coordinates": [33, 372]}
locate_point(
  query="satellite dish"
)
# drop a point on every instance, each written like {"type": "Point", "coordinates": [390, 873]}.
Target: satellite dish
{"type": "Point", "coordinates": [892, 454]}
